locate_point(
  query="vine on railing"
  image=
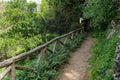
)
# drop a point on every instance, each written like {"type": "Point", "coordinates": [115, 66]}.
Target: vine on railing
{"type": "Point", "coordinates": [11, 66]}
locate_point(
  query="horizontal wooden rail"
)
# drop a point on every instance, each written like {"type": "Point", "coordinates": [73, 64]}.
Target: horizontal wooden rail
{"type": "Point", "coordinates": [43, 48]}
{"type": "Point", "coordinates": [23, 68]}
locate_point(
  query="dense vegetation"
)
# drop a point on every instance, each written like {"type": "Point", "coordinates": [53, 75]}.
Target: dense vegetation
{"type": "Point", "coordinates": [102, 59]}
{"type": "Point", "coordinates": [48, 69]}
{"type": "Point", "coordinates": [24, 27]}
{"type": "Point", "coordinates": [102, 14]}
{"type": "Point", "coordinates": [23, 30]}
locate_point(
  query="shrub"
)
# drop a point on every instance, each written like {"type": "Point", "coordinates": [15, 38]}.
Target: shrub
{"type": "Point", "coordinates": [47, 70]}
{"type": "Point", "coordinates": [102, 59]}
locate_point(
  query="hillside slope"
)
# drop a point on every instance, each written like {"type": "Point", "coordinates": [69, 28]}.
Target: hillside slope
{"type": "Point", "coordinates": [103, 54]}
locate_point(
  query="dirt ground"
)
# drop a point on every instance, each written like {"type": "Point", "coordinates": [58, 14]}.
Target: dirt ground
{"type": "Point", "coordinates": [78, 63]}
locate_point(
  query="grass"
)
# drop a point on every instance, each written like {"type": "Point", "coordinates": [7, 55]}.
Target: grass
{"type": "Point", "coordinates": [103, 54]}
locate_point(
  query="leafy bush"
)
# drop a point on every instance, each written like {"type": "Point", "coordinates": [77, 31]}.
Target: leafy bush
{"type": "Point", "coordinates": [47, 70]}
{"type": "Point", "coordinates": [22, 28]}
{"type": "Point", "coordinates": [100, 12]}
{"type": "Point", "coordinates": [103, 57]}
{"type": "Point", "coordinates": [21, 24]}
{"type": "Point", "coordinates": [16, 45]}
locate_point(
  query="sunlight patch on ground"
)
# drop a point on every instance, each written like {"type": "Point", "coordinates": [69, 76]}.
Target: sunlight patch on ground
{"type": "Point", "coordinates": [72, 75]}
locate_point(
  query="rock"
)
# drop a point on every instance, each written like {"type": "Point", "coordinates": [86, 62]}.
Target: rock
{"type": "Point", "coordinates": [111, 33]}
{"type": "Point", "coordinates": [116, 74]}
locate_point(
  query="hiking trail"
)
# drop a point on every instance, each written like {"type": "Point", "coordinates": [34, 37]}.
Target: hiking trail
{"type": "Point", "coordinates": [76, 69]}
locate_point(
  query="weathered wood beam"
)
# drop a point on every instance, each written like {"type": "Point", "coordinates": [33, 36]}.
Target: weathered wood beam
{"type": "Point", "coordinates": [76, 33]}
{"type": "Point", "coordinates": [39, 56]}
{"type": "Point", "coordinates": [69, 39]}
{"type": "Point", "coordinates": [12, 72]}
{"type": "Point", "coordinates": [61, 42]}
{"type": "Point", "coordinates": [49, 50]}
{"type": "Point", "coordinates": [65, 40]}
{"type": "Point", "coordinates": [18, 67]}
{"type": "Point", "coordinates": [54, 48]}
{"type": "Point", "coordinates": [4, 73]}
{"type": "Point", "coordinates": [72, 36]}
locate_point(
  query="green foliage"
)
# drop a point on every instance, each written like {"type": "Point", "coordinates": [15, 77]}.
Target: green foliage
{"type": "Point", "coordinates": [48, 69]}
{"type": "Point", "coordinates": [23, 28]}
{"type": "Point", "coordinates": [66, 15]}
{"type": "Point", "coordinates": [103, 57]}
{"type": "Point", "coordinates": [20, 16]}
{"type": "Point", "coordinates": [13, 46]}
{"type": "Point", "coordinates": [100, 12]}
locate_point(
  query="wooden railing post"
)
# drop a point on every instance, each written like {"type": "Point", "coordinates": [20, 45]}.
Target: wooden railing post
{"type": "Point", "coordinates": [39, 56]}
{"type": "Point", "coordinates": [54, 48]}
{"type": "Point", "coordinates": [61, 42]}
{"type": "Point", "coordinates": [72, 36]}
{"type": "Point", "coordinates": [66, 40]}
{"type": "Point", "coordinates": [12, 72]}
{"type": "Point", "coordinates": [69, 38]}
{"type": "Point", "coordinates": [76, 33]}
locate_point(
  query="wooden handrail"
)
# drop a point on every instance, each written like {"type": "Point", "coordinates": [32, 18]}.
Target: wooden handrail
{"type": "Point", "coordinates": [11, 61]}
{"type": "Point", "coordinates": [24, 68]}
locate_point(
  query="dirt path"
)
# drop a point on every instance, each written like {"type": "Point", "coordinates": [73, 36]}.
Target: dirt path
{"type": "Point", "coordinates": [77, 67]}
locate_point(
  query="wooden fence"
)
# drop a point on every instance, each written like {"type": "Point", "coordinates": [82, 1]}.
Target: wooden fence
{"type": "Point", "coordinates": [10, 64]}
